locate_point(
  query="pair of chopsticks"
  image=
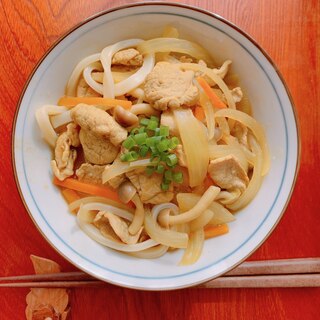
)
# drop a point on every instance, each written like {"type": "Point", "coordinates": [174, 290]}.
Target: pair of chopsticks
{"type": "Point", "coordinates": [283, 273]}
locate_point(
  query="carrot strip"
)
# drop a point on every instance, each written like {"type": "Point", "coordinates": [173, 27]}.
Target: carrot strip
{"type": "Point", "coordinates": [216, 101]}
{"type": "Point", "coordinates": [93, 189]}
{"type": "Point", "coordinates": [214, 231]}
{"type": "Point", "coordinates": [105, 102]}
{"type": "Point", "coordinates": [199, 113]}
{"type": "Point", "coordinates": [70, 195]}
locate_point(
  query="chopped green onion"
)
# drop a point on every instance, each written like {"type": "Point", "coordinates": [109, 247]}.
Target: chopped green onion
{"type": "Point", "coordinates": [140, 138]}
{"type": "Point", "coordinates": [134, 131]}
{"type": "Point", "coordinates": [129, 143]}
{"type": "Point", "coordinates": [160, 168]}
{"type": "Point", "coordinates": [129, 156]}
{"type": "Point", "coordinates": [171, 160]}
{"type": "Point", "coordinates": [152, 141]}
{"type": "Point", "coordinates": [165, 186]}
{"type": "Point", "coordinates": [163, 145]}
{"type": "Point", "coordinates": [144, 121]}
{"type": "Point", "coordinates": [164, 131]}
{"type": "Point", "coordinates": [168, 175]}
{"type": "Point", "coordinates": [152, 125]}
{"type": "Point", "coordinates": [157, 131]}
{"type": "Point", "coordinates": [177, 177]}
{"type": "Point", "coordinates": [174, 141]}
{"type": "Point", "coordinates": [143, 151]}
{"type": "Point", "coordinates": [154, 118]}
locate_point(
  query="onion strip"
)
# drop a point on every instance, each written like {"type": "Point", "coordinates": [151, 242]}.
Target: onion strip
{"type": "Point", "coordinates": [174, 45]}
{"type": "Point", "coordinates": [256, 179]}
{"type": "Point", "coordinates": [76, 73]}
{"type": "Point", "coordinates": [194, 249]}
{"type": "Point", "coordinates": [213, 76]}
{"type": "Point", "coordinates": [42, 117]}
{"type": "Point", "coordinates": [256, 129]}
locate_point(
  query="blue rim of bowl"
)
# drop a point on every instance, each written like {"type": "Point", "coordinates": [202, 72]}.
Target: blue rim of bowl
{"type": "Point", "coordinates": [212, 16]}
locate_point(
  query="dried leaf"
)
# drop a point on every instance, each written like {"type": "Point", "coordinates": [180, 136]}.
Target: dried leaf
{"type": "Point", "coordinates": [44, 266]}
{"type": "Point", "coordinates": [45, 303]}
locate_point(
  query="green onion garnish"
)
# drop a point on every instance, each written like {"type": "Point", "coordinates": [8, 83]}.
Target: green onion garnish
{"type": "Point", "coordinates": [129, 143]}
{"type": "Point", "coordinates": [171, 160]}
{"type": "Point", "coordinates": [153, 140]}
{"type": "Point", "coordinates": [177, 177]}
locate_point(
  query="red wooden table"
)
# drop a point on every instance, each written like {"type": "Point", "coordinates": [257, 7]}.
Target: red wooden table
{"type": "Point", "coordinates": [290, 32]}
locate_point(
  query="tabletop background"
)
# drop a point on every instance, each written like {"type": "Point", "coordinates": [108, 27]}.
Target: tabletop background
{"type": "Point", "coordinates": [290, 33]}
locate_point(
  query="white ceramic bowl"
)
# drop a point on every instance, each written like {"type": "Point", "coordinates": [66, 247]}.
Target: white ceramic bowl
{"type": "Point", "coordinates": [272, 106]}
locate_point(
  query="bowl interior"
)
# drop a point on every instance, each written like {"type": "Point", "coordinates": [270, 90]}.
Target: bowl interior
{"type": "Point", "coordinates": [271, 106]}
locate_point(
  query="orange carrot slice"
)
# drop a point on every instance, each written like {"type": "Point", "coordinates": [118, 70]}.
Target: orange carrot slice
{"type": "Point", "coordinates": [214, 231]}
{"type": "Point", "coordinates": [88, 188]}
{"type": "Point", "coordinates": [215, 100]}
{"type": "Point", "coordinates": [105, 102]}
{"type": "Point", "coordinates": [199, 113]}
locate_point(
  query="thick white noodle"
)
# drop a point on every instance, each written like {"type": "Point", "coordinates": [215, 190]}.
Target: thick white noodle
{"type": "Point", "coordinates": [77, 71]}
{"type": "Point", "coordinates": [144, 108]}
{"type": "Point", "coordinates": [95, 234]}
{"type": "Point", "coordinates": [87, 75]}
{"type": "Point", "coordinates": [42, 117]}
{"type": "Point", "coordinates": [106, 207]}
{"type": "Point", "coordinates": [137, 78]}
{"type": "Point", "coordinates": [61, 119]}
{"type": "Point", "coordinates": [106, 60]}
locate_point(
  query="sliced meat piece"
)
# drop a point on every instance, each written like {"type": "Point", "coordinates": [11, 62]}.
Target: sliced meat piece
{"type": "Point", "coordinates": [128, 57]}
{"type": "Point", "coordinates": [116, 181]}
{"type": "Point", "coordinates": [228, 174]}
{"type": "Point", "coordinates": [118, 225]}
{"type": "Point", "coordinates": [99, 123]}
{"type": "Point", "coordinates": [241, 133]}
{"type": "Point", "coordinates": [62, 165]}
{"type": "Point", "coordinates": [149, 187]}
{"type": "Point", "coordinates": [167, 86]}
{"type": "Point", "coordinates": [90, 173]}
{"type": "Point", "coordinates": [97, 149]}
{"type": "Point", "coordinates": [221, 72]}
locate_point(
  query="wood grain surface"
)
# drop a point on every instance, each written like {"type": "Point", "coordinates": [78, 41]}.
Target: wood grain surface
{"type": "Point", "coordinates": [290, 32]}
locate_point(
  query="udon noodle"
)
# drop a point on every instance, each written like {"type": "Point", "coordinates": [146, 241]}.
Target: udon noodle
{"type": "Point", "coordinates": [155, 147]}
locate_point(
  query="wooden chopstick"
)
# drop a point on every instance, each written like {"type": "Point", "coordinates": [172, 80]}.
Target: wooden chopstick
{"type": "Point", "coordinates": [303, 272]}
{"type": "Point", "coordinates": [281, 266]}
{"type": "Point", "coordinates": [269, 281]}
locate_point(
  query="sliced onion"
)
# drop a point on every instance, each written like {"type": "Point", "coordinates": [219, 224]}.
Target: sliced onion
{"type": "Point", "coordinates": [195, 145]}
{"type": "Point", "coordinates": [77, 203]}
{"type": "Point", "coordinates": [42, 117]}
{"type": "Point", "coordinates": [151, 253]}
{"type": "Point", "coordinates": [194, 249]}
{"type": "Point", "coordinates": [61, 119]}
{"type": "Point", "coordinates": [118, 168]}
{"type": "Point", "coordinates": [77, 71]}
{"type": "Point", "coordinates": [174, 45]}
{"type": "Point", "coordinates": [256, 179]}
{"type": "Point", "coordinates": [212, 75]}
{"type": "Point", "coordinates": [256, 129]}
